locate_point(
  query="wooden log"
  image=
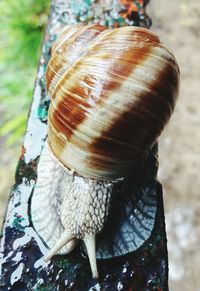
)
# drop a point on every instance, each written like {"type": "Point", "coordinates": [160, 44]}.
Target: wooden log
{"type": "Point", "coordinates": [21, 250]}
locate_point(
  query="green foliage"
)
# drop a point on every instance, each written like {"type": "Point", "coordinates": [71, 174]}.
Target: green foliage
{"type": "Point", "coordinates": [21, 33]}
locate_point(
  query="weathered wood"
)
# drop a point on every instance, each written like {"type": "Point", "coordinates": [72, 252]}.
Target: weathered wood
{"type": "Point", "coordinates": [22, 266]}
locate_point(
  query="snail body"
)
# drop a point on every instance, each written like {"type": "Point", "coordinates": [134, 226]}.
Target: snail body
{"type": "Point", "coordinates": [112, 92]}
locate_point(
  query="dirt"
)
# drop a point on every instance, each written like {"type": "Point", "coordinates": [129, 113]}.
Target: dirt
{"type": "Point", "coordinates": [179, 147]}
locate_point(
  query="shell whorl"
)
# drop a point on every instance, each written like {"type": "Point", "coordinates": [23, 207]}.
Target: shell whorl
{"type": "Point", "coordinates": [112, 92]}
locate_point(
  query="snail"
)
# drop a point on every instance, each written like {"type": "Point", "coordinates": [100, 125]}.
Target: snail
{"type": "Point", "coordinates": [112, 92]}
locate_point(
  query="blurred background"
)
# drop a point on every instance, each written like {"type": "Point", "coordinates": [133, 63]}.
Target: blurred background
{"type": "Point", "coordinates": [178, 23]}
{"type": "Point", "coordinates": [21, 34]}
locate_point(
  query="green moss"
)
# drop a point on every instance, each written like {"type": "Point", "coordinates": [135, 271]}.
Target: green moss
{"type": "Point", "coordinates": [21, 34]}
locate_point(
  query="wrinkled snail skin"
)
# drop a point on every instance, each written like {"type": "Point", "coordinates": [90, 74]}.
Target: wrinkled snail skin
{"type": "Point", "coordinates": [83, 210]}
{"type": "Point", "coordinates": [112, 92]}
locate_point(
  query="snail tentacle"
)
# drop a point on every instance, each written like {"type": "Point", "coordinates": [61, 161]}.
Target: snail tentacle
{"type": "Point", "coordinates": [65, 238]}
{"type": "Point", "coordinates": [91, 249]}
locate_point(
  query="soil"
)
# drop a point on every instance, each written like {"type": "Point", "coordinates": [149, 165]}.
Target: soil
{"type": "Point", "coordinates": [179, 147]}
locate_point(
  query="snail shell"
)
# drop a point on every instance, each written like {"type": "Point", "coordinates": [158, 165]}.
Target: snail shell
{"type": "Point", "coordinates": [112, 92]}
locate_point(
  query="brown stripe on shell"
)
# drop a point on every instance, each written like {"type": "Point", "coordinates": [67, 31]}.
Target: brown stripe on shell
{"type": "Point", "coordinates": [74, 109]}
{"type": "Point", "coordinates": [138, 33]}
{"type": "Point", "coordinates": [144, 120]}
{"type": "Point", "coordinates": [55, 63]}
{"type": "Point", "coordinates": [66, 50]}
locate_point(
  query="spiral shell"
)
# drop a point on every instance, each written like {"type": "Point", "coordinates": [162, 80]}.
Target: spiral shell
{"type": "Point", "coordinates": [112, 92]}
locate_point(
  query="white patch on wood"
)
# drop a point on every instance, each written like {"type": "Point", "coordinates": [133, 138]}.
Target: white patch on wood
{"type": "Point", "coordinates": [16, 275]}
